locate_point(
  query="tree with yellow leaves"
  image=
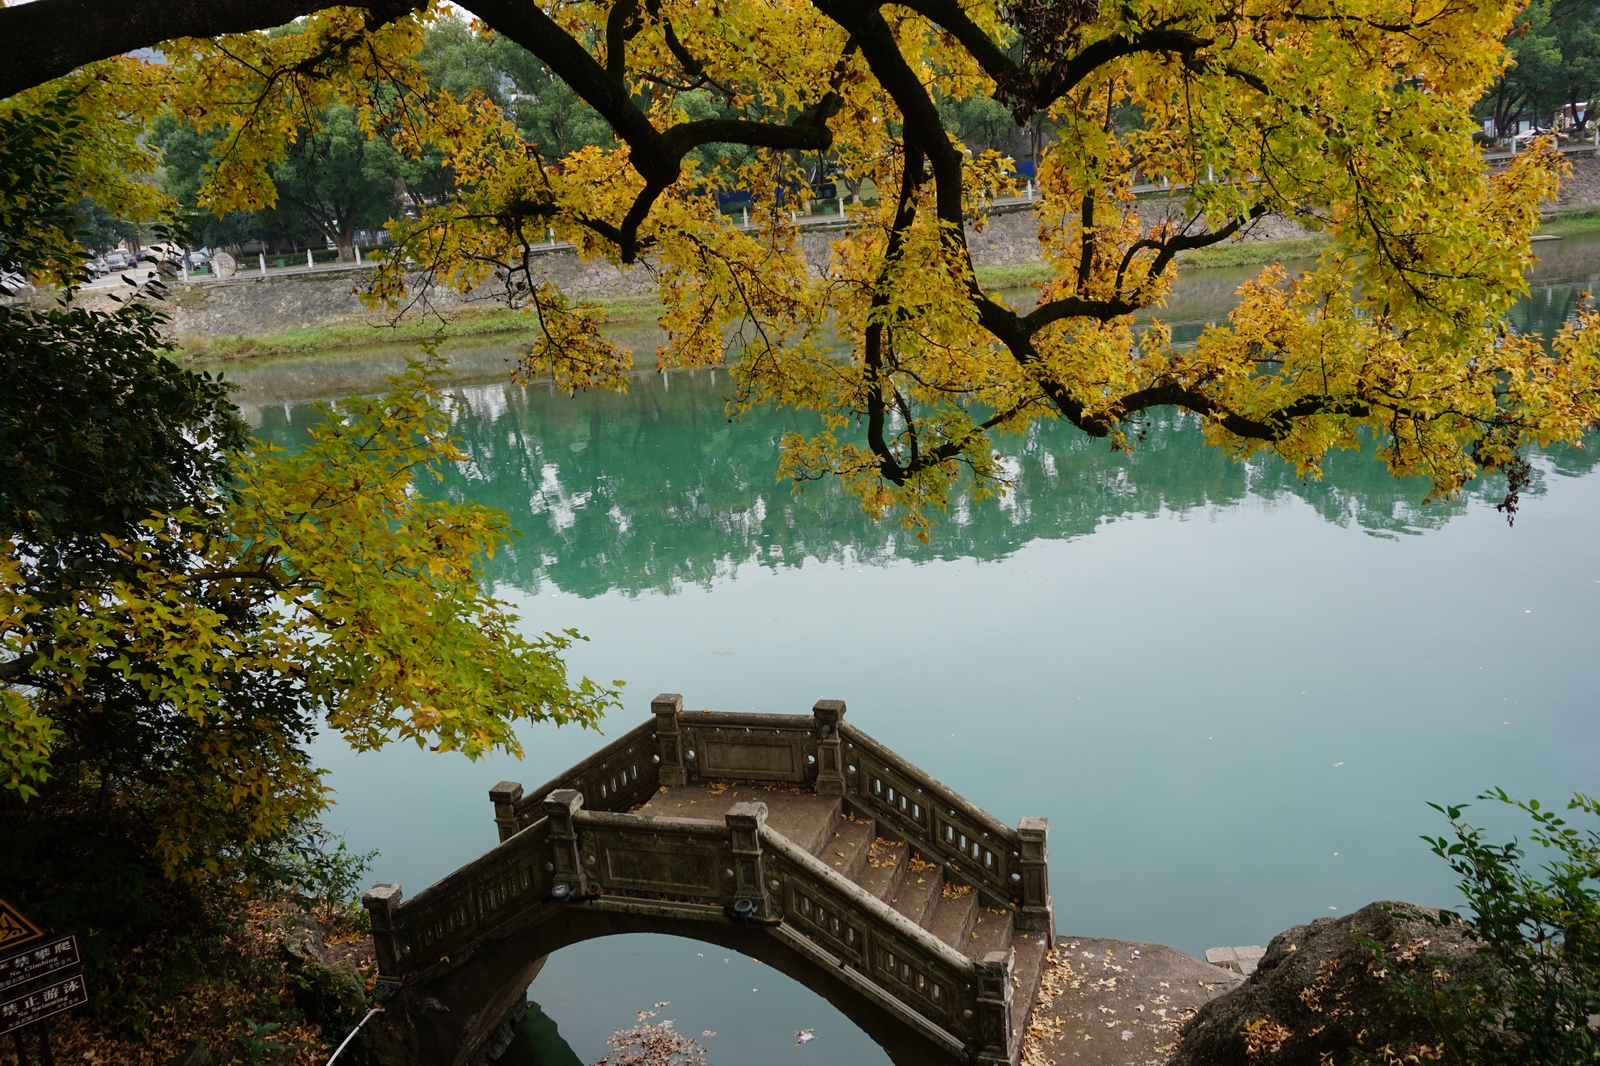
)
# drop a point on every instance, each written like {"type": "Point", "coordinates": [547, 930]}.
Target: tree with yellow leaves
{"type": "Point", "coordinates": [1350, 117]}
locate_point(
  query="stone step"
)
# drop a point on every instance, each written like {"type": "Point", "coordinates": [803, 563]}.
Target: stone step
{"type": "Point", "coordinates": [886, 866]}
{"type": "Point", "coordinates": [1031, 949]}
{"type": "Point", "coordinates": [846, 850]}
{"type": "Point", "coordinates": [992, 930]}
{"type": "Point", "coordinates": [951, 920]}
{"type": "Point", "coordinates": [918, 892]}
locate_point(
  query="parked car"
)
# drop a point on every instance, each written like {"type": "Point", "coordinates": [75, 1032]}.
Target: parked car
{"type": "Point", "coordinates": [97, 267]}
{"type": "Point", "coordinates": [13, 283]}
{"type": "Point", "coordinates": [118, 260]}
{"type": "Point", "coordinates": [822, 181]}
{"type": "Point", "coordinates": [1527, 137]}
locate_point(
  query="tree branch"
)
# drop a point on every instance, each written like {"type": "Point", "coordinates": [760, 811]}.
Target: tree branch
{"type": "Point", "coordinates": [49, 39]}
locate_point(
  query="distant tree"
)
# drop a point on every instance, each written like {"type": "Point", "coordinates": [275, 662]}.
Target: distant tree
{"type": "Point", "coordinates": [339, 179]}
{"type": "Point", "coordinates": [458, 61]}
{"type": "Point", "coordinates": [1554, 47]}
{"type": "Point", "coordinates": [101, 231]}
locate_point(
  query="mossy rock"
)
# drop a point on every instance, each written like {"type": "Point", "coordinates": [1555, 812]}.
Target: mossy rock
{"type": "Point", "coordinates": [1322, 995]}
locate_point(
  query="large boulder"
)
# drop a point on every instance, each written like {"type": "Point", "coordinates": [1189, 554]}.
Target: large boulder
{"type": "Point", "coordinates": [1323, 996]}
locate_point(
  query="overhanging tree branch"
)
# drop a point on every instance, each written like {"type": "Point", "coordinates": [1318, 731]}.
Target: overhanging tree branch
{"type": "Point", "coordinates": [48, 39]}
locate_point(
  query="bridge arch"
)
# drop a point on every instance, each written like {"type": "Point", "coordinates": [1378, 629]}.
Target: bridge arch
{"type": "Point", "coordinates": [919, 916]}
{"type": "Point", "coordinates": [450, 1016]}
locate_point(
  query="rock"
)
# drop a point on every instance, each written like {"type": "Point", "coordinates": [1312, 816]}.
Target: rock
{"type": "Point", "coordinates": [1321, 997]}
{"type": "Point", "coordinates": [330, 989]}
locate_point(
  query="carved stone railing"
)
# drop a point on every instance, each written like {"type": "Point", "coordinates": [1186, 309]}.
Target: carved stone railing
{"type": "Point", "coordinates": [618, 777]}
{"type": "Point", "coordinates": [747, 872]}
{"type": "Point", "coordinates": [504, 885]}
{"type": "Point", "coordinates": [1008, 865]}
{"type": "Point", "coordinates": [865, 933]}
{"type": "Point", "coordinates": [764, 748]}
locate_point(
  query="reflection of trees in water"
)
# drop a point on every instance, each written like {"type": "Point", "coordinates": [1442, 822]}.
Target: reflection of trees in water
{"type": "Point", "coordinates": [656, 489]}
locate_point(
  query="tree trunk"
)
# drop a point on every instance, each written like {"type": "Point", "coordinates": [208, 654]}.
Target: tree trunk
{"type": "Point", "coordinates": [345, 241]}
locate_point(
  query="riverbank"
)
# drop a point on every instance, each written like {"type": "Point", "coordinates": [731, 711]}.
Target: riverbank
{"type": "Point", "coordinates": [242, 320]}
{"type": "Point", "coordinates": [629, 312]}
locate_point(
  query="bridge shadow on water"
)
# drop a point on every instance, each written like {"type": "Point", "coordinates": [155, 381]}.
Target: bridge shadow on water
{"type": "Point", "coordinates": [538, 1042]}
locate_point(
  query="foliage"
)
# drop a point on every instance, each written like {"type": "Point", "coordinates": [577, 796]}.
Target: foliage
{"type": "Point", "coordinates": [180, 611]}
{"type": "Point", "coordinates": [186, 155]}
{"type": "Point", "coordinates": [1397, 331]}
{"type": "Point", "coordinates": [1352, 117]}
{"type": "Point", "coordinates": [318, 870]}
{"type": "Point", "coordinates": [100, 231]}
{"type": "Point", "coordinates": [323, 588]}
{"type": "Point", "coordinates": [79, 137]}
{"type": "Point", "coordinates": [37, 192]}
{"type": "Point", "coordinates": [338, 178]}
{"type": "Point", "coordinates": [99, 431]}
{"type": "Point", "coordinates": [1541, 934]}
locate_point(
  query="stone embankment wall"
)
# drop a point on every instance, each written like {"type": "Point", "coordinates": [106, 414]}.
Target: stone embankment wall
{"type": "Point", "coordinates": [252, 305]}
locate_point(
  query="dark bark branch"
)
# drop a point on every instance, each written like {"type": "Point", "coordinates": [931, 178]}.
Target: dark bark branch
{"type": "Point", "coordinates": [1067, 76]}
{"type": "Point", "coordinates": [619, 29]}
{"type": "Point", "coordinates": [48, 39]}
{"type": "Point", "coordinates": [15, 671]}
{"type": "Point", "coordinates": [948, 14]}
{"type": "Point", "coordinates": [682, 139]}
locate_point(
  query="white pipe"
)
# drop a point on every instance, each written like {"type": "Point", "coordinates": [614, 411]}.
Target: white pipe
{"type": "Point", "coordinates": [311, 264]}
{"type": "Point", "coordinates": [358, 254]}
{"type": "Point", "coordinates": [353, 1032]}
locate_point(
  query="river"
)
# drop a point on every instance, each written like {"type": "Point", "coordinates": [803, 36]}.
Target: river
{"type": "Point", "coordinates": [1232, 693]}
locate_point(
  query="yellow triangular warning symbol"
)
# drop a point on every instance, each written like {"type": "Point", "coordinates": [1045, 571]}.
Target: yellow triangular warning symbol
{"type": "Point", "coordinates": [14, 928]}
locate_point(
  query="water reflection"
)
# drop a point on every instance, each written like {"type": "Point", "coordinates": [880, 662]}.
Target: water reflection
{"type": "Point", "coordinates": [656, 489]}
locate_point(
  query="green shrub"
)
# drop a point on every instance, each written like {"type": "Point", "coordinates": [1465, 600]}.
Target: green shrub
{"type": "Point", "coordinates": [1537, 999]}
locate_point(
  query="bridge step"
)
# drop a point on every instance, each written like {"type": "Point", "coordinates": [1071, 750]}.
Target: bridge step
{"type": "Point", "coordinates": [870, 854]}
{"type": "Point", "coordinates": [886, 865]}
{"type": "Point", "coordinates": [951, 920]}
{"type": "Point", "coordinates": [918, 893]}
{"type": "Point", "coordinates": [846, 851]}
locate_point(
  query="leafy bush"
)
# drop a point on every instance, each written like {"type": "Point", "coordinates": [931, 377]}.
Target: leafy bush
{"type": "Point", "coordinates": [1540, 994]}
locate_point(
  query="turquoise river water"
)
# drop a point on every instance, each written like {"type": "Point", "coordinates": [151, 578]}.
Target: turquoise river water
{"type": "Point", "coordinates": [1232, 693]}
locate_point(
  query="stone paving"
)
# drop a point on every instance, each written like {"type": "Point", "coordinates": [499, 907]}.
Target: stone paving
{"type": "Point", "coordinates": [1116, 1002]}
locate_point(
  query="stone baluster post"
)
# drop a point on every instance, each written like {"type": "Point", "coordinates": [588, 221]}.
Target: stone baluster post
{"type": "Point", "coordinates": [504, 796]}
{"type": "Point", "coordinates": [566, 862]}
{"type": "Point", "coordinates": [669, 739]}
{"type": "Point", "coordinates": [1038, 912]}
{"type": "Point", "coordinates": [830, 754]}
{"type": "Point", "coordinates": [380, 902]}
{"type": "Point", "coordinates": [749, 874]}
{"type": "Point", "coordinates": [993, 971]}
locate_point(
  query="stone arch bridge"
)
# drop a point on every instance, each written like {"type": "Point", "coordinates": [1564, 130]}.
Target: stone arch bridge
{"type": "Point", "coordinates": [795, 839]}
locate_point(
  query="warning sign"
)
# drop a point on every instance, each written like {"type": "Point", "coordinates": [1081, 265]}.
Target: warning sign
{"type": "Point", "coordinates": [38, 959]}
{"type": "Point", "coordinates": [41, 1003]}
{"type": "Point", "coordinates": [15, 930]}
